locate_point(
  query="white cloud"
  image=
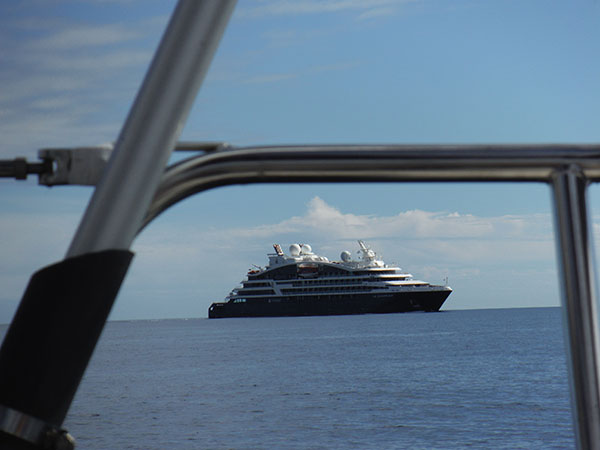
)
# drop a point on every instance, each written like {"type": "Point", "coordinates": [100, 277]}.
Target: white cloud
{"type": "Point", "coordinates": [291, 7]}
{"type": "Point", "coordinates": [98, 64]}
{"type": "Point", "coordinates": [78, 37]}
{"type": "Point", "coordinates": [277, 77]}
{"type": "Point", "coordinates": [377, 12]}
{"type": "Point", "coordinates": [197, 265]}
{"type": "Point", "coordinates": [335, 67]}
{"type": "Point", "coordinates": [491, 255]}
{"type": "Point", "coordinates": [57, 83]}
{"type": "Point", "coordinates": [259, 79]}
{"type": "Point", "coordinates": [416, 224]}
{"type": "Point", "coordinates": [453, 236]}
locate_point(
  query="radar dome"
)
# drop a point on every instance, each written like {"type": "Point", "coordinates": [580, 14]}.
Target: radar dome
{"type": "Point", "coordinates": [294, 250]}
{"type": "Point", "coordinates": [346, 256]}
{"type": "Point", "coordinates": [306, 249]}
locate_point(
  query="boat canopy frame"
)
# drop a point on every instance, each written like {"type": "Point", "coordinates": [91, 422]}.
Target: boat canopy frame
{"type": "Point", "coordinates": [115, 215]}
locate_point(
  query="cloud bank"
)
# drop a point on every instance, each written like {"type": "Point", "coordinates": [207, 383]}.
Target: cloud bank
{"type": "Point", "coordinates": [69, 83]}
{"type": "Point", "coordinates": [490, 261]}
{"type": "Point", "coordinates": [181, 267]}
{"type": "Point", "coordinates": [366, 8]}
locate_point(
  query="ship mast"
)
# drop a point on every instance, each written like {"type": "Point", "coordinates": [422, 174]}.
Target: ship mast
{"type": "Point", "coordinates": [368, 254]}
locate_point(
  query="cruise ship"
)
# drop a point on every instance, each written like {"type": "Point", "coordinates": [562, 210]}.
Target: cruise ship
{"type": "Point", "coordinates": [302, 283]}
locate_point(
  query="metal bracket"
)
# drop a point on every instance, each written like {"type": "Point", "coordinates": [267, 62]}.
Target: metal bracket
{"type": "Point", "coordinates": [81, 166]}
{"type": "Point", "coordinates": [34, 431]}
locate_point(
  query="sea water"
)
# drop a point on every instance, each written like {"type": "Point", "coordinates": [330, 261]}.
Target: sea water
{"type": "Point", "coordinates": [454, 379]}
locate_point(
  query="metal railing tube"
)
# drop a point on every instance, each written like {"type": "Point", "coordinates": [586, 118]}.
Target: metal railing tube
{"type": "Point", "coordinates": [574, 245]}
{"type": "Point", "coordinates": [369, 163]}
{"type": "Point", "coordinates": [119, 203]}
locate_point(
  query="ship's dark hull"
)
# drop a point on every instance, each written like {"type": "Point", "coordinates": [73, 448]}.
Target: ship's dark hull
{"type": "Point", "coordinates": [328, 305]}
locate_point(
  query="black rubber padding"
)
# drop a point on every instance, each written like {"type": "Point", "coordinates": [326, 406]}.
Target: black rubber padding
{"type": "Point", "coordinates": [54, 331]}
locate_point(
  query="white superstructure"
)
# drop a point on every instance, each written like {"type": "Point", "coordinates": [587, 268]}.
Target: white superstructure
{"type": "Point", "coordinates": [302, 273]}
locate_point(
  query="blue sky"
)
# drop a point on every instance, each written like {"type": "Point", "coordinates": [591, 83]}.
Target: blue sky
{"type": "Point", "coordinates": [345, 71]}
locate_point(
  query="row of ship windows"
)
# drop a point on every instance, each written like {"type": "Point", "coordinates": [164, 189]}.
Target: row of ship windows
{"type": "Point", "coordinates": [344, 281]}
{"type": "Point", "coordinates": [256, 292]}
{"type": "Point", "coordinates": [336, 296]}
{"type": "Point", "coordinates": [377, 272]}
{"type": "Point", "coordinates": [341, 275]}
{"type": "Point", "coordinates": [270, 300]}
{"type": "Point", "coordinates": [314, 289]}
{"type": "Point", "coordinates": [331, 289]}
{"type": "Point", "coordinates": [326, 282]}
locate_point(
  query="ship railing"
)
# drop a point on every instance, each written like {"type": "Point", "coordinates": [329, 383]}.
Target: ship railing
{"type": "Point", "coordinates": [117, 211]}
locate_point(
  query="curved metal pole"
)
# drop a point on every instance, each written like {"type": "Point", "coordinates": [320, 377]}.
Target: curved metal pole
{"type": "Point", "coordinates": [579, 298]}
{"type": "Point", "coordinates": [339, 163]}
{"type": "Point", "coordinates": [119, 203]}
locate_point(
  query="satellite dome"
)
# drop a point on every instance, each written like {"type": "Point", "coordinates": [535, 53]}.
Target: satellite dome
{"type": "Point", "coordinates": [306, 249]}
{"type": "Point", "coordinates": [346, 256]}
{"type": "Point", "coordinates": [294, 250]}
